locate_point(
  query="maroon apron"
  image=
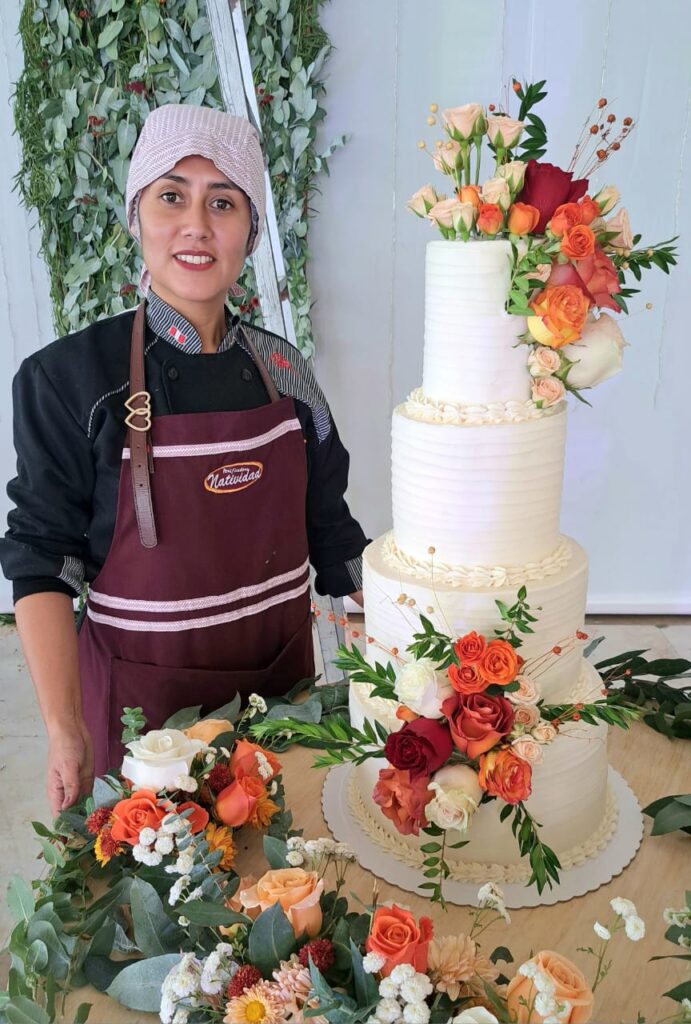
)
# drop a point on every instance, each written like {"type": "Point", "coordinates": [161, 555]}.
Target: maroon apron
{"type": "Point", "coordinates": [221, 604]}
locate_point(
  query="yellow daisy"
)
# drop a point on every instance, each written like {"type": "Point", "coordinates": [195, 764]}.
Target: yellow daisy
{"type": "Point", "coordinates": [219, 837]}
{"type": "Point", "coordinates": [259, 1004]}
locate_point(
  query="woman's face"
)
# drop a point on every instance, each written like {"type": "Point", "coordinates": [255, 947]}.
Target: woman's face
{"type": "Point", "coordinates": [194, 228]}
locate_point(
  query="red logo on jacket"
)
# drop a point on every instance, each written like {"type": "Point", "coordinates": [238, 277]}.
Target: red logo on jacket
{"type": "Point", "coordinates": [236, 477]}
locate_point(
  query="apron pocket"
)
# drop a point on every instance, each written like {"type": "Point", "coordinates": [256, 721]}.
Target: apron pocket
{"type": "Point", "coordinates": [162, 690]}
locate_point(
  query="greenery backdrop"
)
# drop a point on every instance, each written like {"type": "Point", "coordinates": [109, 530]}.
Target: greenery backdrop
{"type": "Point", "coordinates": [92, 74]}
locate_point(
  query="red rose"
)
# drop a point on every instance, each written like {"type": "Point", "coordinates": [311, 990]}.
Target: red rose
{"type": "Point", "coordinates": [595, 275]}
{"type": "Point", "coordinates": [420, 747]}
{"type": "Point", "coordinates": [547, 187]}
{"type": "Point", "coordinates": [402, 799]}
{"type": "Point", "coordinates": [478, 722]}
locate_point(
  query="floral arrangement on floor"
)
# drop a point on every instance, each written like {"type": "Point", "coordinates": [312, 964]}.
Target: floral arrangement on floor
{"type": "Point", "coordinates": [569, 261]}
{"type": "Point", "coordinates": [474, 724]}
{"type": "Point", "coordinates": [142, 865]}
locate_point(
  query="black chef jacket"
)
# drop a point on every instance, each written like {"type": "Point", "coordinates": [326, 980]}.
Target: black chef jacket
{"type": "Point", "coordinates": [69, 433]}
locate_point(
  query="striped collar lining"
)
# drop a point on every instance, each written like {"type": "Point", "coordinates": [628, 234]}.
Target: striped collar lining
{"type": "Point", "coordinates": [172, 326]}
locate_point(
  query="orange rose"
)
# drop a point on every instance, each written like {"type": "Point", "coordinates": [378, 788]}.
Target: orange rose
{"type": "Point", "coordinates": [504, 774]}
{"type": "Point", "coordinates": [578, 242]}
{"type": "Point", "coordinates": [136, 813]}
{"type": "Point", "coordinates": [589, 210]}
{"type": "Point", "coordinates": [470, 194]}
{"type": "Point", "coordinates": [209, 729]}
{"type": "Point", "coordinates": [560, 314]}
{"type": "Point", "coordinates": [523, 218]}
{"type": "Point", "coordinates": [470, 648]}
{"type": "Point", "coordinates": [499, 663]}
{"type": "Point", "coordinates": [397, 936]}
{"type": "Point", "coordinates": [466, 679]}
{"type": "Point", "coordinates": [568, 981]}
{"type": "Point", "coordinates": [298, 893]}
{"type": "Point", "coordinates": [236, 803]}
{"type": "Point", "coordinates": [199, 818]}
{"type": "Point", "coordinates": [244, 761]}
{"type": "Point", "coordinates": [566, 216]}
{"type": "Point", "coordinates": [490, 218]}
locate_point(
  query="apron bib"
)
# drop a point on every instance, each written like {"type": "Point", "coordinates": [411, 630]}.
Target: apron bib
{"type": "Point", "coordinates": [221, 603]}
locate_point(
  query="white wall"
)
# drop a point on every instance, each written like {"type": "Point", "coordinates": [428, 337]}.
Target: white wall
{"type": "Point", "coordinates": [628, 484]}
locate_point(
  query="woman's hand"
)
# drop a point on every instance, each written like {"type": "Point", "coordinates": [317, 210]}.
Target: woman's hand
{"type": "Point", "coordinates": [70, 766]}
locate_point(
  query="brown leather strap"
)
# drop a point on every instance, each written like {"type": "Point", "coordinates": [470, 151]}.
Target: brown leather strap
{"type": "Point", "coordinates": [139, 435]}
{"type": "Point", "coordinates": [261, 366]}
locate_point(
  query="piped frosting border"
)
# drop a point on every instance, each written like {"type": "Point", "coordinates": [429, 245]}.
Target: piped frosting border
{"type": "Point", "coordinates": [420, 406]}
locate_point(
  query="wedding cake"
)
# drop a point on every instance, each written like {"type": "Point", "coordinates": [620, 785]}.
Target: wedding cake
{"type": "Point", "coordinates": [477, 468]}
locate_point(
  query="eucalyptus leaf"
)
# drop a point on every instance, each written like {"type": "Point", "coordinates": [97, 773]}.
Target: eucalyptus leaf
{"type": "Point", "coordinates": [23, 1010]}
{"type": "Point", "coordinates": [154, 932]}
{"type": "Point", "coordinates": [275, 851]}
{"type": "Point", "coordinates": [20, 899]}
{"type": "Point", "coordinates": [138, 986]}
{"type": "Point", "coordinates": [183, 718]}
{"type": "Point", "coordinates": [271, 940]}
{"type": "Point", "coordinates": [109, 33]}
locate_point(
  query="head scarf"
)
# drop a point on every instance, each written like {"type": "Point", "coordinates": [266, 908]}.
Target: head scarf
{"type": "Point", "coordinates": [172, 132]}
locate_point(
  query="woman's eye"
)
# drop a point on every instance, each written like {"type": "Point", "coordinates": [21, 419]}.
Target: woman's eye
{"type": "Point", "coordinates": [227, 204]}
{"type": "Point", "coordinates": [169, 197]}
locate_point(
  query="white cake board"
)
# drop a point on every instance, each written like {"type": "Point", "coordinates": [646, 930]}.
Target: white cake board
{"type": "Point", "coordinates": [577, 881]}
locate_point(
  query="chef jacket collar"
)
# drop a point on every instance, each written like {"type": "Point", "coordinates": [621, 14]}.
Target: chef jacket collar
{"type": "Point", "coordinates": [174, 328]}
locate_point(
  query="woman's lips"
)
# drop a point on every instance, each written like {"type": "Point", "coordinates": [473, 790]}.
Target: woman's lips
{"type": "Point", "coordinates": [194, 266]}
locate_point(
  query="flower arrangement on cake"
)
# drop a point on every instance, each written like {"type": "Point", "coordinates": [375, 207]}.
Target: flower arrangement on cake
{"type": "Point", "coordinates": [570, 257]}
{"type": "Point", "coordinates": [474, 725]}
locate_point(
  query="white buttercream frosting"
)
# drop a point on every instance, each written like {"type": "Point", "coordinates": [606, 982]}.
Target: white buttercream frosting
{"type": "Point", "coordinates": [420, 406]}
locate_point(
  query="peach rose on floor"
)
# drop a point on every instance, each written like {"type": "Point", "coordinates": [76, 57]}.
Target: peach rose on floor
{"type": "Point", "coordinates": [504, 132]}
{"type": "Point", "coordinates": [244, 761]}
{"type": "Point", "coordinates": [208, 729]}
{"type": "Point", "coordinates": [402, 799]}
{"type": "Point", "coordinates": [397, 936]}
{"type": "Point", "coordinates": [490, 219]}
{"type": "Point", "coordinates": [566, 216]}
{"type": "Point", "coordinates": [578, 242]}
{"type": "Point", "coordinates": [547, 391]}
{"type": "Point", "coordinates": [136, 813]}
{"type": "Point", "coordinates": [523, 218]}
{"type": "Point", "coordinates": [569, 984]}
{"type": "Point", "coordinates": [505, 775]}
{"type": "Point", "coordinates": [298, 893]}
{"type": "Point", "coordinates": [236, 803]}
{"type": "Point", "coordinates": [499, 663]}
{"type": "Point", "coordinates": [198, 819]}
{"type": "Point", "coordinates": [560, 313]}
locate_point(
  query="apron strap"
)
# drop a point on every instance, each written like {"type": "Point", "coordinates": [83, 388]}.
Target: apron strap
{"type": "Point", "coordinates": [261, 366]}
{"type": "Point", "coordinates": [139, 435]}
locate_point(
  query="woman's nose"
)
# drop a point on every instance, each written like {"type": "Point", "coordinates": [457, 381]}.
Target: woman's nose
{"type": "Point", "coordinates": [197, 224]}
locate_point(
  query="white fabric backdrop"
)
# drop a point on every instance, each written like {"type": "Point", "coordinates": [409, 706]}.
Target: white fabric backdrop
{"type": "Point", "coordinates": [628, 484]}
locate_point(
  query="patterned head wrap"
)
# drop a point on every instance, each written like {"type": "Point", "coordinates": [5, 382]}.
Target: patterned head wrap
{"type": "Point", "coordinates": [172, 132]}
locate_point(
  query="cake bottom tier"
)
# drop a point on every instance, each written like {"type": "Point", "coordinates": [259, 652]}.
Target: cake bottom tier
{"type": "Point", "coordinates": [569, 800]}
{"type": "Point", "coordinates": [397, 589]}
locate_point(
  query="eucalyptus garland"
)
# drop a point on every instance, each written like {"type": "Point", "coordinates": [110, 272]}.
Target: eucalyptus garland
{"type": "Point", "coordinates": [92, 73]}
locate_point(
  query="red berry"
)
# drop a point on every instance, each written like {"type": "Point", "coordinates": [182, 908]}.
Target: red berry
{"type": "Point", "coordinates": [244, 978]}
{"type": "Point", "coordinates": [556, 650]}
{"type": "Point", "coordinates": [322, 953]}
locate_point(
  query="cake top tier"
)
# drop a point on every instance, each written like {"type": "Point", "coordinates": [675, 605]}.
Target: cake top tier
{"type": "Point", "coordinates": [472, 354]}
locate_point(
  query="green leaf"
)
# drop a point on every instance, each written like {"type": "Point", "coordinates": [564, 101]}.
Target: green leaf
{"type": "Point", "coordinates": [82, 1014]}
{"type": "Point", "coordinates": [127, 136]}
{"type": "Point", "coordinates": [109, 33]}
{"type": "Point", "coordinates": [275, 851]}
{"type": "Point", "coordinates": [154, 932]}
{"type": "Point", "coordinates": [20, 898]}
{"type": "Point", "coordinates": [23, 1010]}
{"type": "Point", "coordinates": [138, 986]}
{"type": "Point", "coordinates": [309, 711]}
{"type": "Point", "coordinates": [501, 953]}
{"type": "Point", "coordinates": [58, 955]}
{"type": "Point", "coordinates": [37, 956]}
{"type": "Point", "coordinates": [213, 914]}
{"type": "Point", "coordinates": [271, 940]}
{"type": "Point", "coordinates": [680, 992]}
{"type": "Point", "coordinates": [676, 815]}
{"type": "Point", "coordinates": [366, 988]}
{"type": "Point", "coordinates": [228, 711]}
{"type": "Point", "coordinates": [183, 718]}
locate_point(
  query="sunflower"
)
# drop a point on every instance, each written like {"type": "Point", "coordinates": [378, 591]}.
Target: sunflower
{"type": "Point", "coordinates": [219, 837]}
{"type": "Point", "coordinates": [259, 1004]}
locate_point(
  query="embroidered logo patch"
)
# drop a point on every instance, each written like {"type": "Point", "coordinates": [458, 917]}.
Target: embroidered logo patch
{"type": "Point", "coordinates": [177, 335]}
{"type": "Point", "coordinates": [236, 477]}
{"type": "Point", "coordinates": [278, 360]}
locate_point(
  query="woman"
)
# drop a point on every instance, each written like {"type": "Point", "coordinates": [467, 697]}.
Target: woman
{"type": "Point", "coordinates": [184, 464]}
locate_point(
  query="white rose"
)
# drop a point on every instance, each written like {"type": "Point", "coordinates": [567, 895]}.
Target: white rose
{"type": "Point", "coordinates": [528, 691]}
{"type": "Point", "coordinates": [463, 122]}
{"type": "Point", "coordinates": [543, 361]}
{"type": "Point", "coordinates": [514, 173]}
{"type": "Point", "coordinates": [527, 749]}
{"type": "Point", "coordinates": [622, 241]}
{"type": "Point", "coordinates": [597, 355]}
{"type": "Point", "coordinates": [544, 732]}
{"type": "Point", "coordinates": [496, 190]}
{"type": "Point", "coordinates": [457, 794]}
{"type": "Point", "coordinates": [423, 200]}
{"type": "Point", "coordinates": [159, 757]}
{"type": "Point", "coordinates": [475, 1015]}
{"type": "Point", "coordinates": [547, 391]}
{"type": "Point", "coordinates": [504, 131]}
{"type": "Point", "coordinates": [607, 198]}
{"type": "Point", "coordinates": [422, 688]}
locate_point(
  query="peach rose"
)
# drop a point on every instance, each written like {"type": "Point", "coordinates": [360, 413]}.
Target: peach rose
{"type": "Point", "coordinates": [541, 273]}
{"type": "Point", "coordinates": [560, 314]}
{"type": "Point", "coordinates": [244, 761]}
{"type": "Point", "coordinates": [496, 190]}
{"type": "Point", "coordinates": [463, 122]}
{"type": "Point", "coordinates": [590, 210]}
{"type": "Point", "coordinates": [208, 729]}
{"type": "Point", "coordinates": [504, 774]}
{"type": "Point", "coordinates": [402, 799]}
{"type": "Point", "coordinates": [499, 663]}
{"type": "Point", "coordinates": [543, 361]}
{"type": "Point", "coordinates": [504, 132]}
{"type": "Point", "coordinates": [578, 242]}
{"type": "Point", "coordinates": [470, 194]}
{"type": "Point", "coordinates": [528, 692]}
{"type": "Point", "coordinates": [523, 218]}
{"type": "Point", "coordinates": [198, 819]}
{"type": "Point", "coordinates": [623, 236]}
{"type": "Point", "coordinates": [569, 984]}
{"type": "Point", "coordinates": [544, 732]}
{"type": "Point", "coordinates": [298, 893]}
{"type": "Point", "coordinates": [397, 936]}
{"type": "Point", "coordinates": [470, 648]}
{"type": "Point", "coordinates": [527, 715]}
{"type": "Point", "coordinates": [447, 157]}
{"type": "Point", "coordinates": [423, 200]}
{"type": "Point", "coordinates": [490, 218]}
{"type": "Point", "coordinates": [547, 391]}
{"type": "Point", "coordinates": [235, 804]}
{"type": "Point", "coordinates": [514, 172]}
{"type": "Point", "coordinates": [607, 198]}
{"type": "Point", "coordinates": [566, 216]}
{"type": "Point", "coordinates": [136, 813]}
{"type": "Point", "coordinates": [527, 749]}
{"type": "Point", "coordinates": [466, 679]}
{"type": "Point", "coordinates": [442, 213]}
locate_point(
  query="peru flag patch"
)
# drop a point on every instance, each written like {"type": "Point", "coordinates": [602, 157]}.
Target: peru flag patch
{"type": "Point", "coordinates": [177, 335]}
